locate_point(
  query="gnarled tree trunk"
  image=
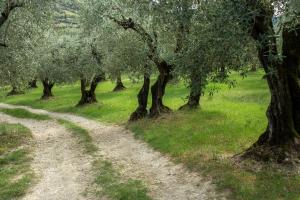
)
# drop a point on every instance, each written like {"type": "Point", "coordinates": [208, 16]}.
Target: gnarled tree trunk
{"type": "Point", "coordinates": [141, 110]}
{"type": "Point", "coordinates": [119, 85]}
{"type": "Point", "coordinates": [195, 93]}
{"type": "Point", "coordinates": [47, 89]}
{"type": "Point", "coordinates": [281, 140]}
{"type": "Point", "coordinates": [88, 96]}
{"type": "Point", "coordinates": [158, 90]}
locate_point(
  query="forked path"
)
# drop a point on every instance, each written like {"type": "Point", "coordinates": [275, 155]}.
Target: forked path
{"type": "Point", "coordinates": [62, 170]}
{"type": "Point", "coordinates": [164, 179]}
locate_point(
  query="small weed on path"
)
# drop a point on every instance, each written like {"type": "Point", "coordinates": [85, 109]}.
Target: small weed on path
{"type": "Point", "coordinates": [110, 181]}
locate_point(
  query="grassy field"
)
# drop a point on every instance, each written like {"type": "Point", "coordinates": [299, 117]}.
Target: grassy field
{"type": "Point", "coordinates": [15, 173]}
{"type": "Point", "coordinates": [228, 122]}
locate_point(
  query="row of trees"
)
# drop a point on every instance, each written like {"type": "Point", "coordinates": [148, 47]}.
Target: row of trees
{"type": "Point", "coordinates": [197, 41]}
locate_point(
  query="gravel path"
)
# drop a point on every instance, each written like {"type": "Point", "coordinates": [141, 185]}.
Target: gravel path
{"type": "Point", "coordinates": [135, 159]}
{"type": "Point", "coordinates": [61, 167]}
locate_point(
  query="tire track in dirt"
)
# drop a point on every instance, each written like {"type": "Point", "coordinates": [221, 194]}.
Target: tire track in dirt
{"type": "Point", "coordinates": [61, 167]}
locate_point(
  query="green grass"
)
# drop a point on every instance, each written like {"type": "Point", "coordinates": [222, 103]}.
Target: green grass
{"type": "Point", "coordinates": [227, 124]}
{"type": "Point", "coordinates": [82, 135]}
{"type": "Point", "coordinates": [15, 173]}
{"type": "Point", "coordinates": [110, 181]}
{"type": "Point", "coordinates": [24, 114]}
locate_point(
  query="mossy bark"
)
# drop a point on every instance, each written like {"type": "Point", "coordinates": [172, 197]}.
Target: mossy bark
{"type": "Point", "coordinates": [195, 93]}
{"type": "Point", "coordinates": [281, 140]}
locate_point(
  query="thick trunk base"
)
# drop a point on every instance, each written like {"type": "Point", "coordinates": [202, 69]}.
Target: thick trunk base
{"type": "Point", "coordinates": [141, 112]}
{"type": "Point", "coordinates": [119, 86]}
{"type": "Point", "coordinates": [47, 96]}
{"type": "Point", "coordinates": [195, 94]}
{"type": "Point", "coordinates": [190, 106]}
{"type": "Point", "coordinates": [262, 151]}
{"type": "Point", "coordinates": [87, 98]}
{"type": "Point", "coordinates": [47, 90]}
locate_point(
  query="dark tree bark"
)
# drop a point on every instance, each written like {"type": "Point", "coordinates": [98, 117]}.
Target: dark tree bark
{"type": "Point", "coordinates": [47, 89]}
{"type": "Point", "coordinates": [119, 85]}
{"type": "Point", "coordinates": [158, 89]}
{"type": "Point", "coordinates": [280, 142]}
{"type": "Point", "coordinates": [32, 84]}
{"type": "Point", "coordinates": [141, 111]}
{"type": "Point", "coordinates": [88, 96]}
{"type": "Point", "coordinates": [195, 93]}
{"type": "Point", "coordinates": [10, 5]}
{"type": "Point", "coordinates": [15, 91]}
{"type": "Point", "coordinates": [253, 68]}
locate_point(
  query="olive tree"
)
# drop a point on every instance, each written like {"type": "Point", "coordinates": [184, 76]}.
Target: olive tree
{"type": "Point", "coordinates": [279, 53]}
{"type": "Point", "coordinates": [208, 49]}
{"type": "Point", "coordinates": [20, 25]}
{"type": "Point", "coordinates": [126, 53]}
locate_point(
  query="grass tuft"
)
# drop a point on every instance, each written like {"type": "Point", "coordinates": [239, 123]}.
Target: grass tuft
{"type": "Point", "coordinates": [24, 114]}
{"type": "Point", "coordinates": [110, 181]}
{"type": "Point", "coordinates": [82, 135]}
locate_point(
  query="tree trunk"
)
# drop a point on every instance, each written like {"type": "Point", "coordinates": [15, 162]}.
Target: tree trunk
{"type": "Point", "coordinates": [223, 73]}
{"type": "Point", "coordinates": [141, 111]}
{"type": "Point", "coordinates": [195, 93]}
{"type": "Point", "coordinates": [281, 140]}
{"type": "Point", "coordinates": [119, 86]}
{"type": "Point", "coordinates": [47, 89]}
{"type": "Point", "coordinates": [89, 96]}
{"type": "Point", "coordinates": [253, 68]}
{"type": "Point", "coordinates": [158, 90]}
{"type": "Point", "coordinates": [32, 84]}
{"type": "Point", "coordinates": [15, 91]}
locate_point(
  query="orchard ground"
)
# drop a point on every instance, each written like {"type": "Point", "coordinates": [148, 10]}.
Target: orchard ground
{"type": "Point", "coordinates": [204, 140]}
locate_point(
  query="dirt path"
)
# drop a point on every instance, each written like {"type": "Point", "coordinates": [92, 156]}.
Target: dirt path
{"type": "Point", "coordinates": [165, 180]}
{"type": "Point", "coordinates": [61, 169]}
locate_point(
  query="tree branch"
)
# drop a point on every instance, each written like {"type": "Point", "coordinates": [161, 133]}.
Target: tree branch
{"type": "Point", "coordinates": [152, 43]}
